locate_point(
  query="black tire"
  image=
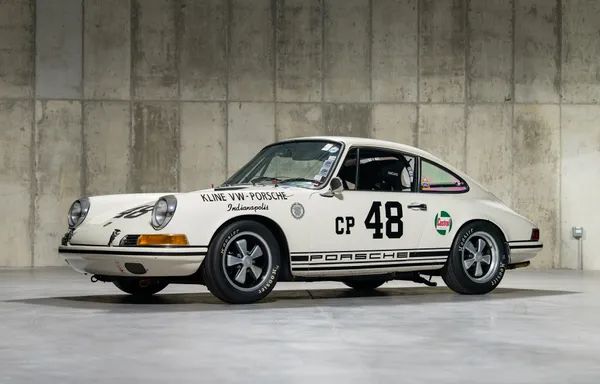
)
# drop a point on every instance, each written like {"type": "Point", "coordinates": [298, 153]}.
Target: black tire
{"type": "Point", "coordinates": [231, 275]}
{"type": "Point", "coordinates": [140, 287]}
{"type": "Point", "coordinates": [480, 277]}
{"type": "Point", "coordinates": [366, 283]}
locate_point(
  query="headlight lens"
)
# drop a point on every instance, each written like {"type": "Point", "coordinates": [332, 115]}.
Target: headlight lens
{"type": "Point", "coordinates": [78, 211]}
{"type": "Point", "coordinates": [163, 210]}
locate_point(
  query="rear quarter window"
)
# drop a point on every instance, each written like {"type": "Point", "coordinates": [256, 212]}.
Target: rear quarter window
{"type": "Point", "coordinates": [435, 178]}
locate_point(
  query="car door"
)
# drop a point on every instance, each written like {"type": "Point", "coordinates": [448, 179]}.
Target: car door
{"type": "Point", "coordinates": [443, 192]}
{"type": "Point", "coordinates": [374, 219]}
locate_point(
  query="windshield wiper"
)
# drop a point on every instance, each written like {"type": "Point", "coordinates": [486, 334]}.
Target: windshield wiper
{"type": "Point", "coordinates": [264, 178]}
{"type": "Point", "coordinates": [293, 179]}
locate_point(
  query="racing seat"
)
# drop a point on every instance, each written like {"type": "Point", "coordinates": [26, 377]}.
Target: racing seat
{"type": "Point", "coordinates": [405, 180]}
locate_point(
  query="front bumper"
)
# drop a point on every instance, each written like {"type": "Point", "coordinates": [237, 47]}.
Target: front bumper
{"type": "Point", "coordinates": [133, 261]}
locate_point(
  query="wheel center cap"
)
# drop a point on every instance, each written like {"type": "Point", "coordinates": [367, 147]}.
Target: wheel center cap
{"type": "Point", "coordinates": [246, 261]}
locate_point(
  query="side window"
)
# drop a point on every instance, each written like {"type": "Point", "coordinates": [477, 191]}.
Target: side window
{"type": "Point", "coordinates": [378, 170]}
{"type": "Point", "coordinates": [388, 171]}
{"type": "Point", "coordinates": [434, 178]}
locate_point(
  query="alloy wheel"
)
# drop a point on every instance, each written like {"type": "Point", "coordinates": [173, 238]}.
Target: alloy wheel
{"type": "Point", "coordinates": [246, 261]}
{"type": "Point", "coordinates": [480, 257]}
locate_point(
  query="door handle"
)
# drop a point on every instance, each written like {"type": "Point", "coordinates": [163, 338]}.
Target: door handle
{"type": "Point", "coordinates": [417, 206]}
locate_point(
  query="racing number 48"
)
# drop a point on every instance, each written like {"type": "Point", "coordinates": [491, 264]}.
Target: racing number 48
{"type": "Point", "coordinates": [393, 223]}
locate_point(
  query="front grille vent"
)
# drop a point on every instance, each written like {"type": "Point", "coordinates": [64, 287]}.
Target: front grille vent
{"type": "Point", "coordinates": [129, 241]}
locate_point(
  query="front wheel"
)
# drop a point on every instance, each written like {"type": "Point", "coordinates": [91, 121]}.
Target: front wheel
{"type": "Point", "coordinates": [477, 260]}
{"type": "Point", "coordinates": [242, 263]}
{"type": "Point", "coordinates": [140, 287]}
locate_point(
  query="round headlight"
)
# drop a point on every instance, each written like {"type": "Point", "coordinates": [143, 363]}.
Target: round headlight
{"type": "Point", "coordinates": [160, 212]}
{"type": "Point", "coordinates": [163, 210]}
{"type": "Point", "coordinates": [78, 212]}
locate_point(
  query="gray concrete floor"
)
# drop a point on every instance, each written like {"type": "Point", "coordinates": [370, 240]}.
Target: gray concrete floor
{"type": "Point", "coordinates": [57, 327]}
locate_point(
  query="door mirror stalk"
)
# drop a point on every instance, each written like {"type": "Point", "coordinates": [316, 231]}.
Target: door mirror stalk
{"type": "Point", "coordinates": [335, 188]}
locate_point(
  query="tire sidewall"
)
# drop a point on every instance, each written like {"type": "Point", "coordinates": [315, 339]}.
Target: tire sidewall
{"type": "Point", "coordinates": [455, 265]}
{"type": "Point", "coordinates": [216, 279]}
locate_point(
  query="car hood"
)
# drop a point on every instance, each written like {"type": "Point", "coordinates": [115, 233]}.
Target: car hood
{"type": "Point", "coordinates": [116, 208]}
{"type": "Point", "coordinates": [131, 213]}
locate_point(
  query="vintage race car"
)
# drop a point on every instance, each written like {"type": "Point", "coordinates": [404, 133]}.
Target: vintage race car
{"type": "Point", "coordinates": [359, 211]}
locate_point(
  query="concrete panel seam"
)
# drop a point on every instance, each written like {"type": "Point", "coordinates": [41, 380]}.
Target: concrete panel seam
{"type": "Point", "coordinates": [513, 27]}
{"type": "Point", "coordinates": [32, 150]}
{"type": "Point", "coordinates": [84, 177]}
{"type": "Point", "coordinates": [178, 42]}
{"type": "Point", "coordinates": [274, 23]}
{"type": "Point", "coordinates": [297, 102]}
{"type": "Point", "coordinates": [557, 259]}
{"type": "Point", "coordinates": [132, 11]}
{"type": "Point", "coordinates": [322, 51]}
{"type": "Point", "coordinates": [150, 100]}
{"type": "Point", "coordinates": [466, 91]}
{"type": "Point", "coordinates": [227, 75]}
{"type": "Point", "coordinates": [370, 48]}
{"type": "Point", "coordinates": [418, 72]}
{"type": "Point", "coordinates": [513, 86]}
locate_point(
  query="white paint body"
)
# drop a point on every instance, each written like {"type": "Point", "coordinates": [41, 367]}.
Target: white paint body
{"type": "Point", "coordinates": [315, 250]}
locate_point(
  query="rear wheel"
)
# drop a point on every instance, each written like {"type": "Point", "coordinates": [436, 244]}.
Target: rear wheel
{"type": "Point", "coordinates": [364, 283]}
{"type": "Point", "coordinates": [140, 287]}
{"type": "Point", "coordinates": [477, 260]}
{"type": "Point", "coordinates": [242, 263]}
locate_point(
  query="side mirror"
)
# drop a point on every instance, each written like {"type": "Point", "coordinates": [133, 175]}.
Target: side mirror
{"type": "Point", "coordinates": [335, 187]}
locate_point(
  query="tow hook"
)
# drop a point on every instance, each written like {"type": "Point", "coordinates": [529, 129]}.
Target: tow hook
{"type": "Point", "coordinates": [94, 278]}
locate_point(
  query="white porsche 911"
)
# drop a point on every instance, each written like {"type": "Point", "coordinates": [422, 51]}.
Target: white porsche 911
{"type": "Point", "coordinates": [359, 211]}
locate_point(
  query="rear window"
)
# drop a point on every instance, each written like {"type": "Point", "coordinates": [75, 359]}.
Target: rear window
{"type": "Point", "coordinates": [435, 178]}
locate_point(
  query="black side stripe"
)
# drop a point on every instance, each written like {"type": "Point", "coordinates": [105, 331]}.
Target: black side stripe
{"type": "Point", "coordinates": [300, 258]}
{"type": "Point", "coordinates": [369, 250]}
{"type": "Point", "coordinates": [429, 254]}
{"type": "Point", "coordinates": [107, 252]}
{"type": "Point", "coordinates": [306, 256]}
{"type": "Point", "coordinates": [368, 266]}
{"type": "Point", "coordinates": [142, 246]}
{"type": "Point", "coordinates": [374, 262]}
{"type": "Point", "coordinates": [539, 246]}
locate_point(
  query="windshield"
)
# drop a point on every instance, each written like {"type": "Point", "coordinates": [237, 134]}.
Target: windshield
{"type": "Point", "coordinates": [302, 163]}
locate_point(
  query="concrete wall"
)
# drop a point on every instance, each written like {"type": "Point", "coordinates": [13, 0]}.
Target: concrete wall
{"type": "Point", "coordinates": [107, 96]}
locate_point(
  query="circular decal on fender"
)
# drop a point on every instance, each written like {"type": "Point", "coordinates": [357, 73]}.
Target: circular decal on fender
{"type": "Point", "coordinates": [297, 210]}
{"type": "Point", "coordinates": [443, 223]}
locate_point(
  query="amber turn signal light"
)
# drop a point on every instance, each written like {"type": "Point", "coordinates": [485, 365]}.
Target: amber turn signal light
{"type": "Point", "coordinates": [148, 240]}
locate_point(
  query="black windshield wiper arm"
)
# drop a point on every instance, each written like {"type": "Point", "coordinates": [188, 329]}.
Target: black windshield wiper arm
{"type": "Point", "coordinates": [292, 179]}
{"type": "Point", "coordinates": [264, 178]}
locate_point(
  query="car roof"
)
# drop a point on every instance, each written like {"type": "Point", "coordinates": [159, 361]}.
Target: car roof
{"type": "Point", "coordinates": [368, 142]}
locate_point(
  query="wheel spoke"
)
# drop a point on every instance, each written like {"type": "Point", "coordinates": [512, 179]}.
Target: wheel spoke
{"type": "Point", "coordinates": [469, 262]}
{"type": "Point", "coordinates": [469, 247]}
{"type": "Point", "coordinates": [256, 271]}
{"type": "Point", "coordinates": [478, 270]}
{"type": "Point", "coordinates": [480, 245]}
{"type": "Point", "coordinates": [233, 260]}
{"type": "Point", "coordinates": [256, 252]}
{"type": "Point", "coordinates": [241, 275]}
{"type": "Point", "coordinates": [486, 259]}
{"type": "Point", "coordinates": [242, 247]}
